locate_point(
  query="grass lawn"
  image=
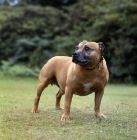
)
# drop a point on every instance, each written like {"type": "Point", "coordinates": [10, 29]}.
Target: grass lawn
{"type": "Point", "coordinates": [17, 122]}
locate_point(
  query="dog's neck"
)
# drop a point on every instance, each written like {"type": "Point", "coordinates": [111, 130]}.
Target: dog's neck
{"type": "Point", "coordinates": [97, 65]}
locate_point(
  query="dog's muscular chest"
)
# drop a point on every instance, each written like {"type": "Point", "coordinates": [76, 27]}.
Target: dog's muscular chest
{"type": "Point", "coordinates": [87, 87]}
{"type": "Point", "coordinates": [84, 89]}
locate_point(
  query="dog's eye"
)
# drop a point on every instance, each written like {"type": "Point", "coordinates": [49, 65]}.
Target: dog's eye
{"type": "Point", "coordinates": [86, 48]}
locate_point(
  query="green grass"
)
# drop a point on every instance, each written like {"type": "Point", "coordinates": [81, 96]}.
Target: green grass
{"type": "Point", "coordinates": [17, 122]}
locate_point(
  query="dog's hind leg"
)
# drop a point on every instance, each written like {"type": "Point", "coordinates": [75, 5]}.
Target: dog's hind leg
{"type": "Point", "coordinates": [58, 98]}
{"type": "Point", "coordinates": [42, 84]}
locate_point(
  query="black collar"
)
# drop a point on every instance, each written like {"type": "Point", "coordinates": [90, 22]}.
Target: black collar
{"type": "Point", "coordinates": [101, 61]}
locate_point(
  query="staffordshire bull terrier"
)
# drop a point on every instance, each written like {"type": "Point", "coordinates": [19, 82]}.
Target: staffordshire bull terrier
{"type": "Point", "coordinates": [83, 73]}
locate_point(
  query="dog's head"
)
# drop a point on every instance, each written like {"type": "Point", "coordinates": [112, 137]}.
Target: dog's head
{"type": "Point", "coordinates": [88, 53]}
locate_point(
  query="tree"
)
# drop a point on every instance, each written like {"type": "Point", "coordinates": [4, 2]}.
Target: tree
{"type": "Point", "coordinates": [30, 34]}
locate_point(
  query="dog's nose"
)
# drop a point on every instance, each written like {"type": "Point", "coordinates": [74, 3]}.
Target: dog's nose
{"type": "Point", "coordinates": [75, 54]}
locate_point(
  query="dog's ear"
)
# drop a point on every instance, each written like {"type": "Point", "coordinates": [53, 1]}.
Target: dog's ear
{"type": "Point", "coordinates": [101, 46]}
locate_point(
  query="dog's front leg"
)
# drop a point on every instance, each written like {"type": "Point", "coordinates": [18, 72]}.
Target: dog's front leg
{"type": "Point", "coordinates": [98, 98]}
{"type": "Point", "coordinates": [68, 99]}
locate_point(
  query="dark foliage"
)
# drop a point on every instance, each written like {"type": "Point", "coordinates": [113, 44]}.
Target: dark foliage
{"type": "Point", "coordinates": [55, 3]}
{"type": "Point", "coordinates": [31, 35]}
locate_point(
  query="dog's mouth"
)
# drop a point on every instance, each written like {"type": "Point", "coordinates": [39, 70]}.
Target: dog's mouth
{"type": "Point", "coordinates": [80, 58]}
{"type": "Point", "coordinates": [81, 62]}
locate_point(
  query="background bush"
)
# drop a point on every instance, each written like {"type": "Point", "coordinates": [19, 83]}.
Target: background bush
{"type": "Point", "coordinates": [31, 34]}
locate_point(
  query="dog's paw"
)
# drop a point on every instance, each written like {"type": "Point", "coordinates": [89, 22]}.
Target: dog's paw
{"type": "Point", "coordinates": [100, 115]}
{"type": "Point", "coordinates": [35, 110]}
{"type": "Point", "coordinates": [65, 117]}
{"type": "Point", "coordinates": [59, 108]}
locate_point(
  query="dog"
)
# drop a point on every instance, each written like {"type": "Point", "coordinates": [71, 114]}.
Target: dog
{"type": "Point", "coordinates": [83, 73]}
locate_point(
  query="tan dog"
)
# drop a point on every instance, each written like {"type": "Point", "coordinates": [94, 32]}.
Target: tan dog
{"type": "Point", "coordinates": [83, 73]}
